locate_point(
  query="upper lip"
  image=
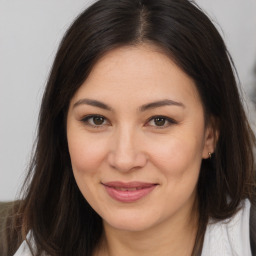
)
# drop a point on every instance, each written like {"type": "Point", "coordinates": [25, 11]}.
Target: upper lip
{"type": "Point", "coordinates": [133, 184]}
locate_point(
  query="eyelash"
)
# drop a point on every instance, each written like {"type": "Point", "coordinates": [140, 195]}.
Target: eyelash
{"type": "Point", "coordinates": [86, 120]}
{"type": "Point", "coordinates": [170, 121]}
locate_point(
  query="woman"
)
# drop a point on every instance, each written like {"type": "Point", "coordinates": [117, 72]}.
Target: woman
{"type": "Point", "coordinates": [143, 145]}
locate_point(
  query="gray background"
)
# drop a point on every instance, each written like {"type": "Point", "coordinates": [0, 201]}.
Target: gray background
{"type": "Point", "coordinates": [29, 35]}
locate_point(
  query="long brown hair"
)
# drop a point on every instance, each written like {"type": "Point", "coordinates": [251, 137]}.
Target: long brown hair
{"type": "Point", "coordinates": [53, 209]}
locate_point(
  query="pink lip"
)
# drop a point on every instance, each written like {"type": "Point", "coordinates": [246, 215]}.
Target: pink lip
{"type": "Point", "coordinates": [128, 192]}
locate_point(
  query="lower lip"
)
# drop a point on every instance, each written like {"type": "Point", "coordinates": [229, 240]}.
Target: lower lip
{"type": "Point", "coordinates": [129, 196]}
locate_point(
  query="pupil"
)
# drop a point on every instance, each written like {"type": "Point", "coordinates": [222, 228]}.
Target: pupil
{"type": "Point", "coordinates": [159, 121]}
{"type": "Point", "coordinates": [98, 120]}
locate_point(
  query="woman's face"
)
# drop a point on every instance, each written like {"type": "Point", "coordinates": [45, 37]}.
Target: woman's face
{"type": "Point", "coordinates": [136, 135]}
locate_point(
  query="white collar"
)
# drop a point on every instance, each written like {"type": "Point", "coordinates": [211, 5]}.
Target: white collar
{"type": "Point", "coordinates": [229, 237]}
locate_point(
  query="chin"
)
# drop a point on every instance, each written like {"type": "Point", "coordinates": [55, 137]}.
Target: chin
{"type": "Point", "coordinates": [131, 222]}
{"type": "Point", "coordinates": [131, 226]}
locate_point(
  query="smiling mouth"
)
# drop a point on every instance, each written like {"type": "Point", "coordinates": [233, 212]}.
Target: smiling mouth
{"type": "Point", "coordinates": [128, 192]}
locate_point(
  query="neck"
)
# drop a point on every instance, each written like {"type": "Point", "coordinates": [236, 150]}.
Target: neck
{"type": "Point", "coordinates": [175, 237]}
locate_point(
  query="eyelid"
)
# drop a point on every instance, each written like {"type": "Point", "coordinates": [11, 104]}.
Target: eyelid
{"type": "Point", "coordinates": [86, 118]}
{"type": "Point", "coordinates": [170, 121]}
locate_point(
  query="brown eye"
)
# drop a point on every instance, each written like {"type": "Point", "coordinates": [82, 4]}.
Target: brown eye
{"type": "Point", "coordinates": [98, 120]}
{"type": "Point", "coordinates": [95, 120]}
{"type": "Point", "coordinates": [159, 121]}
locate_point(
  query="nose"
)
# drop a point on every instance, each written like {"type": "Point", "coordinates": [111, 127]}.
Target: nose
{"type": "Point", "coordinates": [126, 152]}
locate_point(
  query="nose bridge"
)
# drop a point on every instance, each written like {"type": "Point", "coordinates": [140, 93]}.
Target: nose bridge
{"type": "Point", "coordinates": [126, 153]}
{"type": "Point", "coordinates": [125, 148]}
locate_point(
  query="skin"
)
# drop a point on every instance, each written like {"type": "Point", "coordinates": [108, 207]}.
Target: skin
{"type": "Point", "coordinates": [129, 144]}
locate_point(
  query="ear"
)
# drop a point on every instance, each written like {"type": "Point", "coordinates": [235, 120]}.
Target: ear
{"type": "Point", "coordinates": [211, 138]}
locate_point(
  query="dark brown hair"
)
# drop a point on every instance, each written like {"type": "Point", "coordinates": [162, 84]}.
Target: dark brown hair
{"type": "Point", "coordinates": [61, 220]}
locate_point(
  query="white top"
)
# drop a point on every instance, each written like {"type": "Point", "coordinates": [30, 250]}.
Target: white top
{"type": "Point", "coordinates": [225, 238]}
{"type": "Point", "coordinates": [24, 249]}
{"type": "Point", "coordinates": [229, 237]}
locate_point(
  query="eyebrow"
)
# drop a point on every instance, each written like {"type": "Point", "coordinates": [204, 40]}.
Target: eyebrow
{"type": "Point", "coordinates": [161, 103]}
{"type": "Point", "coordinates": [94, 103]}
{"type": "Point", "coordinates": [144, 107]}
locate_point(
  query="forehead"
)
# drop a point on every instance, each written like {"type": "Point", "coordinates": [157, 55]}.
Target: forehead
{"type": "Point", "coordinates": [141, 72]}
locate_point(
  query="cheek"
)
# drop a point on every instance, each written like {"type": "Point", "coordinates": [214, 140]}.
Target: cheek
{"type": "Point", "coordinates": [86, 153]}
{"type": "Point", "coordinates": [179, 162]}
{"type": "Point", "coordinates": [179, 155]}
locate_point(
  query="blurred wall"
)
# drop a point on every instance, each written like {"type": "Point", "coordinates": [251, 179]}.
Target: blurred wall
{"type": "Point", "coordinates": [29, 35]}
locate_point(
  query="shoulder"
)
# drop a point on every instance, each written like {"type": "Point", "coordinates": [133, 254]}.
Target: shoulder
{"type": "Point", "coordinates": [24, 249]}
{"type": "Point", "coordinates": [231, 236]}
